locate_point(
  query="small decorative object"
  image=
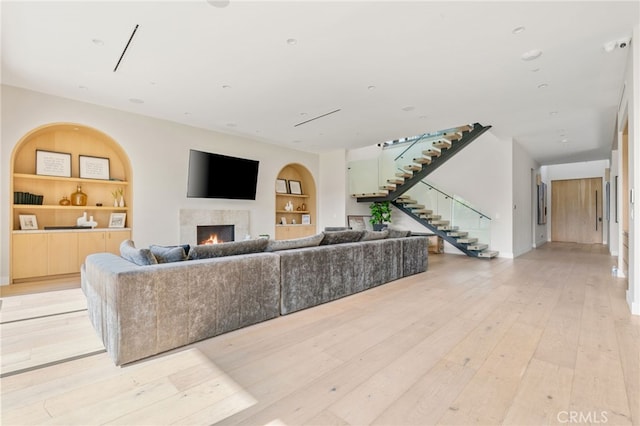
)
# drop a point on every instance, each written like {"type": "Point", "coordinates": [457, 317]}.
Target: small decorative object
{"type": "Point", "coordinates": [303, 207]}
{"type": "Point", "coordinates": [28, 221]}
{"type": "Point", "coordinates": [283, 220]}
{"type": "Point", "coordinates": [295, 187]}
{"type": "Point", "coordinates": [65, 201]}
{"type": "Point", "coordinates": [293, 221]}
{"type": "Point", "coordinates": [298, 208]}
{"type": "Point", "coordinates": [98, 204]}
{"type": "Point", "coordinates": [94, 167]}
{"type": "Point", "coordinates": [380, 214]}
{"type": "Point", "coordinates": [84, 222]}
{"type": "Point", "coordinates": [79, 198]}
{"type": "Point", "coordinates": [118, 197]}
{"type": "Point", "coordinates": [117, 220]}
{"type": "Point", "coordinates": [281, 186]}
{"type": "Point", "coordinates": [306, 219]}
{"type": "Point", "coordinates": [50, 163]}
{"type": "Point", "coordinates": [289, 206]}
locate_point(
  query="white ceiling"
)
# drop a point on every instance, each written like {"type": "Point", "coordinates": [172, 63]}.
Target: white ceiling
{"type": "Point", "coordinates": [394, 69]}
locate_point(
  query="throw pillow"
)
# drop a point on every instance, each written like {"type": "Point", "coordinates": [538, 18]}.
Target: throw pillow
{"type": "Point", "coordinates": [340, 237]}
{"type": "Point", "coordinates": [168, 254]}
{"type": "Point", "coordinates": [399, 233]}
{"type": "Point", "coordinates": [311, 241]}
{"type": "Point", "coordinates": [374, 235]}
{"type": "Point", "coordinates": [207, 251]}
{"type": "Point", "coordinates": [141, 257]}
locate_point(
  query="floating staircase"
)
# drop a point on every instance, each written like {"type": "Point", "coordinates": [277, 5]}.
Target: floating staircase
{"type": "Point", "coordinates": [438, 151]}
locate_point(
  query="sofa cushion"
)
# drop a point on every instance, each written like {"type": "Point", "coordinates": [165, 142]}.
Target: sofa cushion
{"type": "Point", "coordinates": [340, 237]}
{"type": "Point", "coordinates": [141, 257]}
{"type": "Point", "coordinates": [311, 241]}
{"type": "Point", "coordinates": [168, 254]}
{"type": "Point", "coordinates": [233, 248]}
{"type": "Point", "coordinates": [399, 233]}
{"type": "Point", "coordinates": [374, 235]}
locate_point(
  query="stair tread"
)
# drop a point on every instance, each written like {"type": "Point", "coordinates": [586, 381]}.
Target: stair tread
{"type": "Point", "coordinates": [404, 175]}
{"type": "Point", "coordinates": [453, 136]}
{"type": "Point", "coordinates": [442, 144]}
{"type": "Point", "coordinates": [423, 211]}
{"type": "Point", "coordinates": [477, 247]}
{"type": "Point", "coordinates": [432, 152]}
{"type": "Point", "coordinates": [413, 167]}
{"type": "Point", "coordinates": [371, 194]}
{"type": "Point", "coordinates": [489, 254]}
{"type": "Point", "coordinates": [457, 234]}
{"type": "Point", "coordinates": [467, 240]}
{"type": "Point", "coordinates": [422, 160]}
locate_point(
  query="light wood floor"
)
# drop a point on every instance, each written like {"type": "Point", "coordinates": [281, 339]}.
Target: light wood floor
{"type": "Point", "coordinates": [541, 339]}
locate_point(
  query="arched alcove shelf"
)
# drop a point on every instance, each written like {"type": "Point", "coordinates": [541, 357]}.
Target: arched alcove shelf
{"type": "Point", "coordinates": [295, 187]}
{"type": "Point", "coordinates": [50, 246]}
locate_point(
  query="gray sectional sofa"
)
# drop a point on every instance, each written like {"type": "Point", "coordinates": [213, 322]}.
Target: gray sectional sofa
{"type": "Point", "coordinates": [143, 310]}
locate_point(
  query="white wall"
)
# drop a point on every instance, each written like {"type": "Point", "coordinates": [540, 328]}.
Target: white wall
{"type": "Point", "coordinates": [581, 170]}
{"type": "Point", "coordinates": [333, 185]}
{"type": "Point", "coordinates": [158, 151]}
{"type": "Point", "coordinates": [524, 202]}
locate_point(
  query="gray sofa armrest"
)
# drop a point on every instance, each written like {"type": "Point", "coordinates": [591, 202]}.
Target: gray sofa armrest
{"type": "Point", "coordinates": [415, 255]}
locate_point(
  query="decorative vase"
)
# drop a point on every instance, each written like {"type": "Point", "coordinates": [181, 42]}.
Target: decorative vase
{"type": "Point", "coordinates": [79, 198]}
{"type": "Point", "coordinates": [121, 201]}
{"type": "Point", "coordinates": [115, 202]}
{"type": "Point", "coordinates": [65, 201]}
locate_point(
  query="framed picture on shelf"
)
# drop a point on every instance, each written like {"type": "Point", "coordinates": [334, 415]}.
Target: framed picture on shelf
{"type": "Point", "coordinates": [359, 223]}
{"type": "Point", "coordinates": [306, 219]}
{"type": "Point", "coordinates": [94, 167]}
{"type": "Point", "coordinates": [28, 221]}
{"type": "Point", "coordinates": [117, 220]}
{"type": "Point", "coordinates": [50, 163]}
{"type": "Point", "coordinates": [295, 187]}
{"type": "Point", "coordinates": [281, 186]}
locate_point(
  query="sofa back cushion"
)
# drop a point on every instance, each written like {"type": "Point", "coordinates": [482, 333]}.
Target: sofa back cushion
{"type": "Point", "coordinates": [340, 237]}
{"type": "Point", "coordinates": [311, 241]}
{"type": "Point", "coordinates": [141, 257]}
{"type": "Point", "coordinates": [374, 235]}
{"type": "Point", "coordinates": [234, 248]}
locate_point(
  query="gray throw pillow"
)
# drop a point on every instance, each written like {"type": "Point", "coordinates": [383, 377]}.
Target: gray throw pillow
{"type": "Point", "coordinates": [141, 257]}
{"type": "Point", "coordinates": [234, 248]}
{"type": "Point", "coordinates": [374, 235]}
{"type": "Point", "coordinates": [399, 233]}
{"type": "Point", "coordinates": [340, 237]}
{"type": "Point", "coordinates": [311, 241]}
{"type": "Point", "coordinates": [164, 254]}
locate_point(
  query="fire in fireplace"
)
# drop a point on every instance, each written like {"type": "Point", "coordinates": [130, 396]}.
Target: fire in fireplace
{"type": "Point", "coordinates": [214, 234]}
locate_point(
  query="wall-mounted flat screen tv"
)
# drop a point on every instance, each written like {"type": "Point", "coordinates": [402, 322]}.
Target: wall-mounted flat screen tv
{"type": "Point", "coordinates": [220, 176]}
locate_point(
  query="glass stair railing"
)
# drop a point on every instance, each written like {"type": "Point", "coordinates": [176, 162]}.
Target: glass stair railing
{"type": "Point", "coordinates": [450, 217]}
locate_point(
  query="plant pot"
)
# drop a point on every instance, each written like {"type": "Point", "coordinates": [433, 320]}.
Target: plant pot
{"type": "Point", "coordinates": [379, 226]}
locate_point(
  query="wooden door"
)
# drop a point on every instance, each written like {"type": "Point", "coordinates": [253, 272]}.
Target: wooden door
{"type": "Point", "coordinates": [63, 253]}
{"type": "Point", "coordinates": [576, 210]}
{"type": "Point", "coordinates": [89, 243]}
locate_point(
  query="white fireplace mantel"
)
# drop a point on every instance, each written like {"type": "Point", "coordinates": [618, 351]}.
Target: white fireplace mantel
{"type": "Point", "coordinates": [191, 218]}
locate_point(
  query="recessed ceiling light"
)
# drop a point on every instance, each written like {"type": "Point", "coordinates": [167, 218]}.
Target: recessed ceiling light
{"type": "Point", "coordinates": [543, 86]}
{"type": "Point", "coordinates": [187, 113]}
{"type": "Point", "coordinates": [136, 101]}
{"type": "Point", "coordinates": [531, 55]}
{"type": "Point", "coordinates": [297, 141]}
{"type": "Point", "coordinates": [553, 113]}
{"type": "Point", "coordinates": [226, 86]}
{"type": "Point", "coordinates": [518, 30]}
{"type": "Point", "coordinates": [231, 124]}
{"type": "Point", "coordinates": [408, 108]}
{"type": "Point", "coordinates": [423, 117]}
{"type": "Point", "coordinates": [218, 3]}
{"type": "Point", "coordinates": [371, 87]}
{"type": "Point", "coordinates": [564, 140]}
{"type": "Point", "coordinates": [303, 114]}
{"type": "Point", "coordinates": [97, 42]}
{"type": "Point", "coordinates": [81, 87]}
{"type": "Point", "coordinates": [535, 70]}
{"type": "Point", "coordinates": [610, 46]}
{"type": "Point", "coordinates": [292, 41]}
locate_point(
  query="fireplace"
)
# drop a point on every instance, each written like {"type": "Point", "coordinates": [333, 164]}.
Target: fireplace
{"type": "Point", "coordinates": [214, 234]}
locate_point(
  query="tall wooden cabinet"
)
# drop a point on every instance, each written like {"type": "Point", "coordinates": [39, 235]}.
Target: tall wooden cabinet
{"type": "Point", "coordinates": [44, 252]}
{"type": "Point", "coordinates": [293, 223]}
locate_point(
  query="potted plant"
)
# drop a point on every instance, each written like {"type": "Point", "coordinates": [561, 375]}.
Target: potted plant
{"type": "Point", "coordinates": [380, 214]}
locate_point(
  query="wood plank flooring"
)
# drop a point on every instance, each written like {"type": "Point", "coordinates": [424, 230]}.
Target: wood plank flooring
{"type": "Point", "coordinates": [536, 340]}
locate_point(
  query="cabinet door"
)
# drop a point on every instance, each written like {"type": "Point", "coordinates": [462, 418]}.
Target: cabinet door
{"type": "Point", "coordinates": [63, 253]}
{"type": "Point", "coordinates": [29, 255]}
{"type": "Point", "coordinates": [114, 239]}
{"type": "Point", "coordinates": [89, 243]}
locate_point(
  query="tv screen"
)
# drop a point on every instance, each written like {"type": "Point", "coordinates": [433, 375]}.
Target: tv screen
{"type": "Point", "coordinates": [220, 176]}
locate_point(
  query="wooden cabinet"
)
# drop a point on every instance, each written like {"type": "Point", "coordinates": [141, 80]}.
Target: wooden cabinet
{"type": "Point", "coordinates": [38, 254]}
{"type": "Point", "coordinates": [300, 221]}
{"type": "Point", "coordinates": [63, 252]}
